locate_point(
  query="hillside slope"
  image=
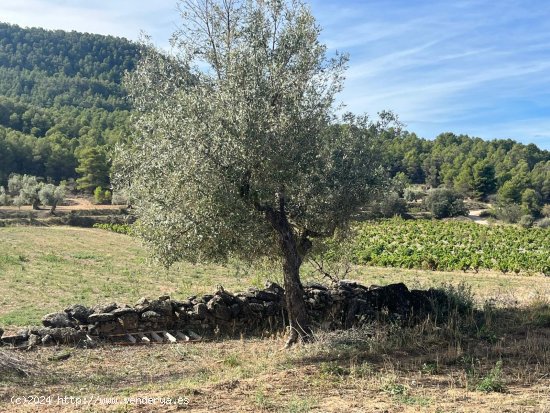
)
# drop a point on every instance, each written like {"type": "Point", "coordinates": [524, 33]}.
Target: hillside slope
{"type": "Point", "coordinates": [60, 94]}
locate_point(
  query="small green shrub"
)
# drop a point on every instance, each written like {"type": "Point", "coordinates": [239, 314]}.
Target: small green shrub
{"type": "Point", "coordinates": [395, 389]}
{"type": "Point", "coordinates": [450, 302]}
{"type": "Point", "coordinates": [299, 405]}
{"type": "Point", "coordinates": [388, 207]}
{"type": "Point", "coordinates": [493, 381]}
{"type": "Point", "coordinates": [531, 202]}
{"type": "Point", "coordinates": [262, 400]}
{"type": "Point", "coordinates": [542, 319]}
{"type": "Point", "coordinates": [539, 313]}
{"type": "Point", "coordinates": [544, 223]}
{"type": "Point", "coordinates": [332, 368]}
{"type": "Point", "coordinates": [510, 213]}
{"type": "Point", "coordinates": [362, 370]}
{"type": "Point", "coordinates": [526, 221]}
{"type": "Point", "coordinates": [445, 203]}
{"type": "Point", "coordinates": [413, 194]}
{"type": "Point", "coordinates": [487, 334]}
{"type": "Point", "coordinates": [102, 196]}
{"type": "Point", "coordinates": [430, 368]}
{"type": "Point", "coordinates": [232, 361]}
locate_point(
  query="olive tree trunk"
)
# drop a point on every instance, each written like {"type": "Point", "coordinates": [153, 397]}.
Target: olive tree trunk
{"type": "Point", "coordinates": [35, 204]}
{"type": "Point", "coordinates": [294, 292]}
{"type": "Point", "coordinates": [300, 329]}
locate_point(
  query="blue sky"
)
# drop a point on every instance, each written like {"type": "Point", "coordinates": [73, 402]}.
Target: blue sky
{"type": "Point", "coordinates": [478, 67]}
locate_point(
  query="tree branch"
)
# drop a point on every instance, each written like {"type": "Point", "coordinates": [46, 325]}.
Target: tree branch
{"type": "Point", "coordinates": [321, 269]}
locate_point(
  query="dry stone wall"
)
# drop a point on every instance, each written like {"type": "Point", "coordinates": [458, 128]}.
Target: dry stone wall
{"type": "Point", "coordinates": [254, 312]}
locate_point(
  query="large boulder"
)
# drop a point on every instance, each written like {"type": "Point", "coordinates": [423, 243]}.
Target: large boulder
{"type": "Point", "coordinates": [61, 335]}
{"type": "Point", "coordinates": [162, 307]}
{"type": "Point", "coordinates": [101, 318]}
{"type": "Point", "coordinates": [14, 339]}
{"type": "Point", "coordinates": [182, 305]}
{"type": "Point", "coordinates": [108, 327]}
{"type": "Point", "coordinates": [256, 308]}
{"type": "Point", "coordinates": [218, 307]}
{"type": "Point", "coordinates": [33, 341]}
{"type": "Point", "coordinates": [274, 288]}
{"type": "Point", "coordinates": [129, 321]}
{"type": "Point", "coordinates": [394, 297]}
{"type": "Point", "coordinates": [263, 295]}
{"type": "Point", "coordinates": [57, 320]}
{"type": "Point", "coordinates": [227, 298]}
{"type": "Point", "coordinates": [119, 312]}
{"type": "Point", "coordinates": [79, 312]}
{"type": "Point", "coordinates": [142, 305]}
{"type": "Point", "coordinates": [200, 310]}
{"type": "Point", "coordinates": [271, 309]}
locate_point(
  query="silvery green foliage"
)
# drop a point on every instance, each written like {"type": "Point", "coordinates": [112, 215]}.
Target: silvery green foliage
{"type": "Point", "coordinates": [4, 198]}
{"type": "Point", "coordinates": [28, 190]}
{"type": "Point", "coordinates": [19, 201]}
{"type": "Point", "coordinates": [15, 183]}
{"type": "Point", "coordinates": [51, 195]}
{"type": "Point", "coordinates": [238, 117]}
{"type": "Point", "coordinates": [27, 187]}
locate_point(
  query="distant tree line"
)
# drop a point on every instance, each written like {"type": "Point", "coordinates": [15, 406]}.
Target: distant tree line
{"type": "Point", "coordinates": [501, 170]}
{"type": "Point", "coordinates": [59, 143]}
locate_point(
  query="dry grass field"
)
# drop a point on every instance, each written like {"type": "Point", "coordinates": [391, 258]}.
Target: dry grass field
{"type": "Point", "coordinates": [499, 364]}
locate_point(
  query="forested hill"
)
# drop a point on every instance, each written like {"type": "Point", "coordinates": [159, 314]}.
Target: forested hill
{"type": "Point", "coordinates": [62, 106]}
{"type": "Point", "coordinates": [49, 68]}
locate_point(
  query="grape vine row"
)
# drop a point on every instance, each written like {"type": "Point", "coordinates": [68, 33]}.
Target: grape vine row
{"type": "Point", "coordinates": [452, 245]}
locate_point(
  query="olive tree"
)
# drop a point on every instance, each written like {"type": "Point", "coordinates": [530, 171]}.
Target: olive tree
{"type": "Point", "coordinates": [52, 195]}
{"type": "Point", "coordinates": [238, 151]}
{"type": "Point", "coordinates": [25, 188]}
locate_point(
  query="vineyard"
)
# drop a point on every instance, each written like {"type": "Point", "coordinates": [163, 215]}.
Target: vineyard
{"type": "Point", "coordinates": [453, 245]}
{"type": "Point", "coordinates": [118, 228]}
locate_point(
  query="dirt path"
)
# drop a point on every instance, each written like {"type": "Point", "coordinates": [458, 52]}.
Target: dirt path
{"type": "Point", "coordinates": [75, 203]}
{"type": "Point", "coordinates": [474, 216]}
{"type": "Point", "coordinates": [80, 203]}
